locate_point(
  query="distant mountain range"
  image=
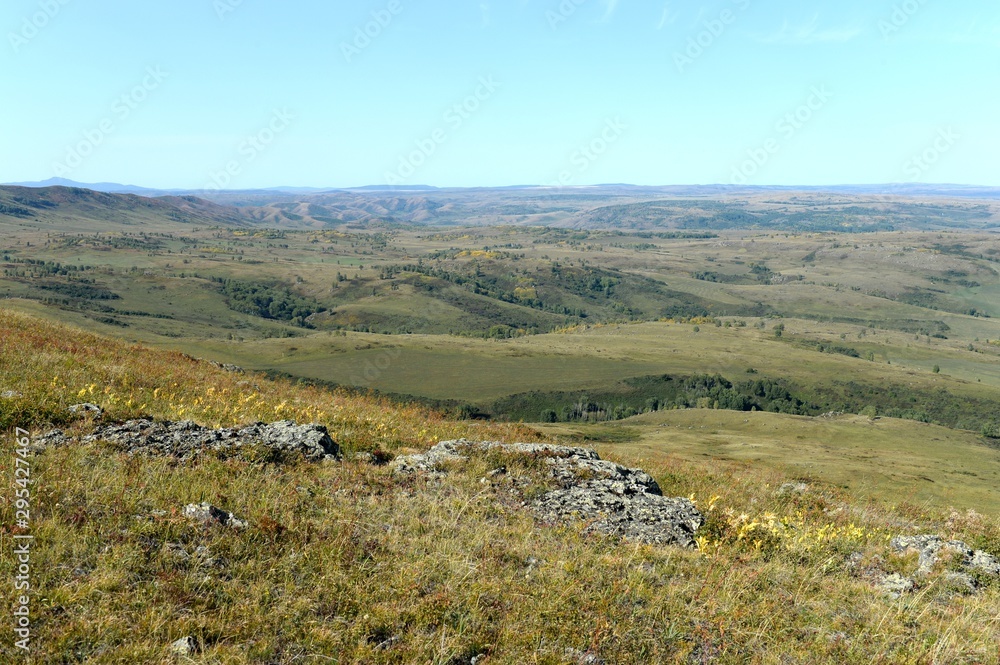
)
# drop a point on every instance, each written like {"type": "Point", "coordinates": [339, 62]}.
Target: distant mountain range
{"type": "Point", "coordinates": [892, 189]}
{"type": "Point", "coordinates": [703, 208]}
{"type": "Point", "coordinates": [118, 188]}
{"type": "Point", "coordinates": [109, 187]}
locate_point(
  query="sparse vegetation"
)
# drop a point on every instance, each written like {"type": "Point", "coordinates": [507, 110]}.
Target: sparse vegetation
{"type": "Point", "coordinates": [299, 579]}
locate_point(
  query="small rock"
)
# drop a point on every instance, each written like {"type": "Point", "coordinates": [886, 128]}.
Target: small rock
{"type": "Point", "coordinates": [792, 488]}
{"type": "Point", "coordinates": [209, 514]}
{"type": "Point", "coordinates": [186, 646]}
{"type": "Point", "coordinates": [531, 564]}
{"type": "Point", "coordinates": [50, 439]}
{"type": "Point", "coordinates": [578, 657]}
{"type": "Point", "coordinates": [896, 585]}
{"type": "Point", "coordinates": [225, 366]}
{"type": "Point", "coordinates": [871, 570]}
{"type": "Point", "coordinates": [377, 458]}
{"type": "Point", "coordinates": [927, 546]}
{"type": "Point", "coordinates": [88, 408]}
{"type": "Point", "coordinates": [388, 643]}
{"type": "Point", "coordinates": [984, 562]}
{"type": "Point", "coordinates": [201, 556]}
{"type": "Point", "coordinates": [854, 560]}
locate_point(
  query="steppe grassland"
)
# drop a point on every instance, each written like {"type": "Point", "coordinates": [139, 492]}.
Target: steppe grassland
{"type": "Point", "coordinates": [347, 559]}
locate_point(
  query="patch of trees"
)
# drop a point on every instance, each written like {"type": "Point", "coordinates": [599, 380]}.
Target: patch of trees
{"type": "Point", "coordinates": [14, 211]}
{"type": "Point", "coordinates": [829, 347]}
{"type": "Point", "coordinates": [721, 278]}
{"type": "Point", "coordinates": [491, 286]}
{"type": "Point", "coordinates": [967, 283]}
{"type": "Point", "coordinates": [33, 203]}
{"type": "Point", "coordinates": [110, 321]}
{"type": "Point", "coordinates": [652, 393]}
{"type": "Point", "coordinates": [958, 249]}
{"type": "Point", "coordinates": [761, 273]}
{"type": "Point", "coordinates": [39, 268]}
{"type": "Point", "coordinates": [712, 391]}
{"type": "Point", "coordinates": [268, 301]}
{"type": "Point", "coordinates": [937, 406]}
{"type": "Point", "coordinates": [129, 242]}
{"type": "Point", "coordinates": [919, 298]}
{"type": "Point", "coordinates": [575, 292]}
{"type": "Point", "coordinates": [837, 221]}
{"type": "Point", "coordinates": [78, 290]}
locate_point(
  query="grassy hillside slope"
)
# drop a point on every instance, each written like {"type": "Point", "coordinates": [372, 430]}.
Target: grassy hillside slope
{"type": "Point", "coordinates": [887, 460]}
{"type": "Point", "coordinates": [586, 360]}
{"type": "Point", "coordinates": [347, 563]}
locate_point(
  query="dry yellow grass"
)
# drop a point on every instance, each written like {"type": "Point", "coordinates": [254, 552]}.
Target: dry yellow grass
{"type": "Point", "coordinates": [346, 563]}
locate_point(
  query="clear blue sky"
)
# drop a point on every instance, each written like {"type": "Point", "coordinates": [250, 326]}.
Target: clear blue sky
{"type": "Point", "coordinates": [577, 92]}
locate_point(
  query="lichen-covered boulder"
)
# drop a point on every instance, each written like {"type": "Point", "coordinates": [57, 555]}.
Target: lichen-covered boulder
{"type": "Point", "coordinates": [186, 439]}
{"type": "Point", "coordinates": [609, 497]}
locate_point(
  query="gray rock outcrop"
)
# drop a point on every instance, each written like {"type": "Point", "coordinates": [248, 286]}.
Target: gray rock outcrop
{"type": "Point", "coordinates": [186, 646]}
{"type": "Point", "coordinates": [971, 564]}
{"type": "Point", "coordinates": [611, 498]}
{"type": "Point", "coordinates": [208, 514]}
{"type": "Point", "coordinates": [54, 437]}
{"type": "Point", "coordinates": [930, 548]}
{"type": "Point", "coordinates": [789, 489]}
{"type": "Point", "coordinates": [186, 439]}
{"type": "Point", "coordinates": [87, 408]}
{"type": "Point", "coordinates": [895, 585]}
{"type": "Point", "coordinates": [229, 367]}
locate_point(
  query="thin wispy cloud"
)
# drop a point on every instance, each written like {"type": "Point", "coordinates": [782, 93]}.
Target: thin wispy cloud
{"type": "Point", "coordinates": [609, 9]}
{"type": "Point", "coordinates": [810, 33]}
{"type": "Point", "coordinates": [484, 8]}
{"type": "Point", "coordinates": [702, 13]}
{"type": "Point", "coordinates": [668, 17]}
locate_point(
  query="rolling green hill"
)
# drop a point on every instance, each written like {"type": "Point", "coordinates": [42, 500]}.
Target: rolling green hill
{"type": "Point", "coordinates": [519, 321]}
